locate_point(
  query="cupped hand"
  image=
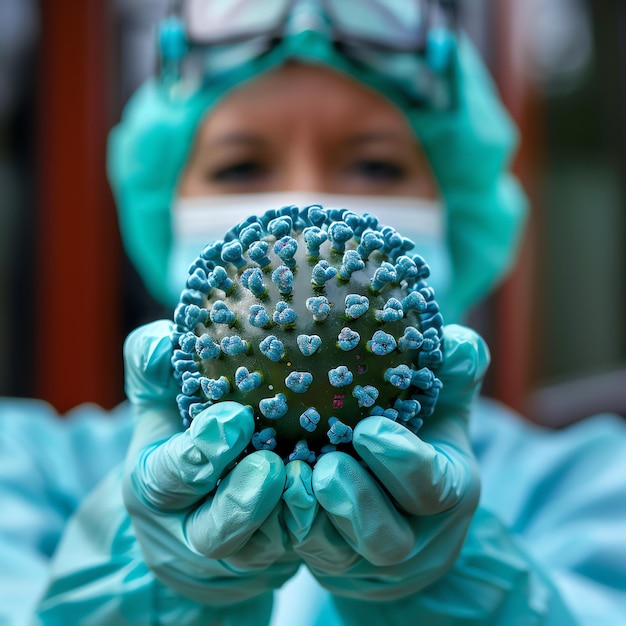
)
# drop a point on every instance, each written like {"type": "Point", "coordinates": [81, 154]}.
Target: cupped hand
{"type": "Point", "coordinates": [391, 524]}
{"type": "Point", "coordinates": [207, 521]}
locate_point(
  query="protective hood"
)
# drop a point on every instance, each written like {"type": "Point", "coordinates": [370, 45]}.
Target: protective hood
{"type": "Point", "coordinates": [469, 149]}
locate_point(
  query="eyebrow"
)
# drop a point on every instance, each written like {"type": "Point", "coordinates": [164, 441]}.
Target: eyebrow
{"type": "Point", "coordinates": [236, 138]}
{"type": "Point", "coordinates": [376, 136]}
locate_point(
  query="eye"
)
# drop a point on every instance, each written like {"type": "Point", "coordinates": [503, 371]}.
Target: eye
{"type": "Point", "coordinates": [242, 172]}
{"type": "Point", "coordinates": [378, 170]}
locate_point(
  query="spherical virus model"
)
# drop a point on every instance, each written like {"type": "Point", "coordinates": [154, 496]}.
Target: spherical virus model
{"type": "Point", "coordinates": [316, 318]}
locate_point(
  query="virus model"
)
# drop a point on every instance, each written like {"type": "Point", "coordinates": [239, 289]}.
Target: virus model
{"type": "Point", "coordinates": [316, 318]}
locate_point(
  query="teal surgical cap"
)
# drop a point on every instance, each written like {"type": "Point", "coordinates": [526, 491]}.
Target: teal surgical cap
{"type": "Point", "coordinates": [469, 149]}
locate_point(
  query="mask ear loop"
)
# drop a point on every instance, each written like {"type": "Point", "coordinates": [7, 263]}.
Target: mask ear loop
{"type": "Point", "coordinates": [441, 35]}
{"type": "Point", "coordinates": [173, 46]}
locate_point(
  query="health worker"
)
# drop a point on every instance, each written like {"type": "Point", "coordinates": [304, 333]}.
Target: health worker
{"type": "Point", "coordinates": [479, 518]}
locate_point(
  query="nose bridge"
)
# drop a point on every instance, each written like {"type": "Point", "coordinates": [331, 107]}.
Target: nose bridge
{"type": "Point", "coordinates": [307, 167]}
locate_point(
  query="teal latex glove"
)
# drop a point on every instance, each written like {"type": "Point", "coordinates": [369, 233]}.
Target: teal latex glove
{"type": "Point", "coordinates": [388, 530]}
{"type": "Point", "coordinates": [207, 531]}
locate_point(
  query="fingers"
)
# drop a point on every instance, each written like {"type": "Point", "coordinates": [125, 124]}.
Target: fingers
{"type": "Point", "coordinates": [263, 547]}
{"type": "Point", "coordinates": [359, 509]}
{"type": "Point", "coordinates": [235, 531]}
{"type": "Point", "coordinates": [434, 472]}
{"type": "Point", "coordinates": [245, 498]}
{"type": "Point", "coordinates": [424, 479]}
{"type": "Point", "coordinates": [301, 503]}
{"type": "Point", "coordinates": [176, 473]}
{"type": "Point", "coordinates": [313, 536]}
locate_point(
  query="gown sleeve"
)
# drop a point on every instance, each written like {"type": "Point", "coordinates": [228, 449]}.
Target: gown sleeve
{"type": "Point", "coordinates": [562, 494]}
{"type": "Point", "coordinates": [47, 466]}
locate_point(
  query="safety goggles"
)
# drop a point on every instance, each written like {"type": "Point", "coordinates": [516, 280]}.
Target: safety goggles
{"type": "Point", "coordinates": [409, 41]}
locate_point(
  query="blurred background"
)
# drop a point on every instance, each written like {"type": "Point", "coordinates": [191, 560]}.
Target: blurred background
{"type": "Point", "coordinates": [69, 296]}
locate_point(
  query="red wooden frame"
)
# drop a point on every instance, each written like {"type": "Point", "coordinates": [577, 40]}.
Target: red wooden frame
{"type": "Point", "coordinates": [516, 310]}
{"type": "Point", "coordinates": [77, 293]}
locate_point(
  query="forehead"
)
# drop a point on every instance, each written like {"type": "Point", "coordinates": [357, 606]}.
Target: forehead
{"type": "Point", "coordinates": [305, 96]}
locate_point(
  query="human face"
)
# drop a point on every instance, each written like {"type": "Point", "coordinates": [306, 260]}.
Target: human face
{"type": "Point", "coordinates": [306, 128]}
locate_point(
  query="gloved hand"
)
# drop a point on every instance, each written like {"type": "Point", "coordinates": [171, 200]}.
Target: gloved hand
{"type": "Point", "coordinates": [209, 532]}
{"type": "Point", "coordinates": [387, 530]}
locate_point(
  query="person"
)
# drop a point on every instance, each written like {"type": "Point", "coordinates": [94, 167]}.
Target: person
{"type": "Point", "coordinates": [156, 527]}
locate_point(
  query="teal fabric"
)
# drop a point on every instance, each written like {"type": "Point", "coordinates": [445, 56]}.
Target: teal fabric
{"type": "Point", "coordinates": [493, 582]}
{"type": "Point", "coordinates": [99, 576]}
{"type": "Point", "coordinates": [47, 466]}
{"type": "Point", "coordinates": [469, 149]}
{"type": "Point", "coordinates": [561, 495]}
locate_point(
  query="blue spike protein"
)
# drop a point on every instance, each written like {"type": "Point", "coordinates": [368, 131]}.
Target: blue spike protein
{"type": "Point", "coordinates": [348, 339]}
{"type": "Point", "coordinates": [392, 311]}
{"type": "Point", "coordinates": [308, 344]}
{"type": "Point", "coordinates": [382, 343]}
{"type": "Point", "coordinates": [299, 382]}
{"type": "Point", "coordinates": [366, 396]}
{"type": "Point", "coordinates": [285, 248]}
{"type": "Point", "coordinates": [272, 348]}
{"type": "Point", "coordinates": [339, 432]}
{"type": "Point", "coordinates": [206, 348]}
{"type": "Point", "coordinates": [310, 419]}
{"type": "Point", "coordinates": [264, 439]}
{"type": "Point", "coordinates": [246, 380]}
{"type": "Point", "coordinates": [252, 279]}
{"type": "Point", "coordinates": [322, 273]}
{"type": "Point", "coordinates": [284, 314]}
{"type": "Point", "coordinates": [356, 305]}
{"type": "Point", "coordinates": [221, 314]}
{"type": "Point", "coordinates": [340, 376]}
{"type": "Point", "coordinates": [234, 345]}
{"type": "Point", "coordinates": [258, 316]}
{"type": "Point", "coordinates": [351, 262]}
{"type": "Point", "coordinates": [319, 307]}
{"type": "Point", "coordinates": [274, 408]}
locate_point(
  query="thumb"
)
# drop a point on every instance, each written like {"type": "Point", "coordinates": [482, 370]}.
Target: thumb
{"type": "Point", "coordinates": [147, 363]}
{"type": "Point", "coordinates": [175, 473]}
{"type": "Point", "coordinates": [465, 361]}
{"type": "Point", "coordinates": [150, 386]}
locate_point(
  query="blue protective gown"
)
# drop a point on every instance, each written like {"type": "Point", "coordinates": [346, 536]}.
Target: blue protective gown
{"type": "Point", "coordinates": [561, 495]}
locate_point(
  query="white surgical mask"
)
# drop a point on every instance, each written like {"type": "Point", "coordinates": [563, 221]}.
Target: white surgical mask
{"type": "Point", "coordinates": [198, 221]}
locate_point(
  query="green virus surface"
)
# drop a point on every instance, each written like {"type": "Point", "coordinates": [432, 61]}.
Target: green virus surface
{"type": "Point", "coordinates": [316, 318]}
